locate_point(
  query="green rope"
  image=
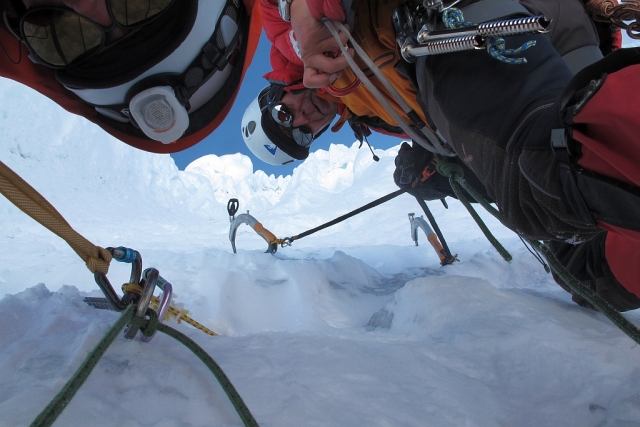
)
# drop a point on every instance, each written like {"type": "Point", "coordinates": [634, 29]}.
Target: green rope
{"type": "Point", "coordinates": [147, 326]}
{"type": "Point", "coordinates": [62, 399]}
{"type": "Point", "coordinates": [216, 370]}
{"type": "Point", "coordinates": [588, 294]}
{"type": "Point", "coordinates": [455, 174]}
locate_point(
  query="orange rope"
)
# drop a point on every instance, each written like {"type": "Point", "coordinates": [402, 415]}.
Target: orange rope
{"type": "Point", "coordinates": [27, 199]}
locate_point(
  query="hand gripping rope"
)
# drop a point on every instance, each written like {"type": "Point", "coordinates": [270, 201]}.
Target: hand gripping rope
{"type": "Point", "coordinates": [418, 130]}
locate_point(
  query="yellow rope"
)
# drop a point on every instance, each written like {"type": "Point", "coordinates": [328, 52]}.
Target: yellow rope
{"type": "Point", "coordinates": [27, 199]}
{"type": "Point", "coordinates": [180, 315]}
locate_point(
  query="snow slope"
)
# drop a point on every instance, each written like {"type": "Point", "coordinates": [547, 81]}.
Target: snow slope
{"type": "Point", "coordinates": [351, 326]}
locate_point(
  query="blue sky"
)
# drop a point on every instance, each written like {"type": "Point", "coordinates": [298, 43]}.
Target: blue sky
{"type": "Point", "coordinates": [228, 140]}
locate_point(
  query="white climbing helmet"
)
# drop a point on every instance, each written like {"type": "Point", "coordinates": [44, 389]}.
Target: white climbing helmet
{"type": "Point", "coordinates": [268, 141]}
{"type": "Point", "coordinates": [174, 81]}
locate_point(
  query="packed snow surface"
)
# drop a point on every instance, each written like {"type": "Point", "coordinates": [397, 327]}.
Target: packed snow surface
{"type": "Point", "coordinates": [351, 326]}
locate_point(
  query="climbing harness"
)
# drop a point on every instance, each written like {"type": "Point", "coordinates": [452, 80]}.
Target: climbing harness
{"type": "Point", "coordinates": [419, 222]}
{"type": "Point", "coordinates": [418, 131]}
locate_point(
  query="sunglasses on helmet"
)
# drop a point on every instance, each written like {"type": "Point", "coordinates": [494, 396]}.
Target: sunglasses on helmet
{"type": "Point", "coordinates": [60, 37]}
{"type": "Point", "coordinates": [282, 115]}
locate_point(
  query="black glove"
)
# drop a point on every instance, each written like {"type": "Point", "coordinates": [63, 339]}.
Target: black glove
{"type": "Point", "coordinates": [415, 172]}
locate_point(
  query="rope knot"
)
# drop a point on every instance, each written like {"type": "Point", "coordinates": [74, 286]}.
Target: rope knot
{"type": "Point", "coordinates": [450, 170]}
{"type": "Point", "coordinates": [452, 18]}
{"type": "Point", "coordinates": [497, 49]}
{"type": "Point", "coordinates": [99, 263]}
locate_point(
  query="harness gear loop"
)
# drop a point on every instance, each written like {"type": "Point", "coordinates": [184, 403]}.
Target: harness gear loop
{"type": "Point", "coordinates": [28, 200]}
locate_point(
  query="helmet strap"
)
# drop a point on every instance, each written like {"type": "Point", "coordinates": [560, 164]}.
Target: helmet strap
{"type": "Point", "coordinates": [296, 88]}
{"type": "Point", "coordinates": [275, 94]}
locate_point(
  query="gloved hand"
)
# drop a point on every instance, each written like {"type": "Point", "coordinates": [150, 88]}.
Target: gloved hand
{"type": "Point", "coordinates": [416, 173]}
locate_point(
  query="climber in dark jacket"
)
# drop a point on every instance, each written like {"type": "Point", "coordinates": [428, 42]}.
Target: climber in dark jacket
{"type": "Point", "coordinates": [552, 141]}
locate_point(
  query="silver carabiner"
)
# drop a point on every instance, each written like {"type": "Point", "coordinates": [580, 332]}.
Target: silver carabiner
{"type": "Point", "coordinates": [120, 254]}
{"type": "Point", "coordinates": [163, 306]}
{"type": "Point", "coordinates": [150, 279]}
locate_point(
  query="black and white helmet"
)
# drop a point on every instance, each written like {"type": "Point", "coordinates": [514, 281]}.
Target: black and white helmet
{"type": "Point", "coordinates": [164, 80]}
{"type": "Point", "coordinates": [268, 136]}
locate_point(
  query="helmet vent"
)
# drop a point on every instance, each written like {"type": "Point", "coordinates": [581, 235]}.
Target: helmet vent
{"type": "Point", "coordinates": [251, 127]}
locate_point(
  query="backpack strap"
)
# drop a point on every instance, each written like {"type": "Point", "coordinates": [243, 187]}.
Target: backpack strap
{"type": "Point", "coordinates": [599, 158]}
